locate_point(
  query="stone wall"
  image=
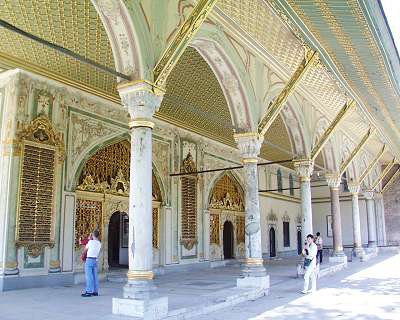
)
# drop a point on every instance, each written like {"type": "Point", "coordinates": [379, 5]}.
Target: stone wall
{"type": "Point", "coordinates": [391, 199]}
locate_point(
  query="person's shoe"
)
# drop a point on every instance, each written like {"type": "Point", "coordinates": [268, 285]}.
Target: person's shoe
{"type": "Point", "coordinates": [86, 294]}
{"type": "Point", "coordinates": [304, 292]}
{"type": "Point", "coordinates": [95, 294]}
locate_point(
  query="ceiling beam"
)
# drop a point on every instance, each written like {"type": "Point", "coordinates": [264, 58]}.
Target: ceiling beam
{"type": "Point", "coordinates": [356, 151]}
{"type": "Point", "coordinates": [349, 105]}
{"type": "Point", "coordinates": [181, 40]}
{"type": "Point", "coordinates": [275, 107]}
{"type": "Point", "coordinates": [371, 165]}
{"type": "Point", "coordinates": [391, 180]}
{"type": "Point", "coordinates": [383, 174]}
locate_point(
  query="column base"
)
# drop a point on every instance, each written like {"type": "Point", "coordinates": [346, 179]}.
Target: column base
{"type": "Point", "coordinates": [152, 308]}
{"type": "Point", "coordinates": [338, 257]}
{"type": "Point", "coordinates": [358, 252]}
{"type": "Point", "coordinates": [139, 289]}
{"type": "Point", "coordinates": [254, 269]}
{"type": "Point", "coordinates": [254, 282]}
{"type": "Point", "coordinates": [371, 244]}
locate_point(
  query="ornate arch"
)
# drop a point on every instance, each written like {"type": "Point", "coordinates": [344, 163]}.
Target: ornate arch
{"type": "Point", "coordinates": [128, 35]}
{"type": "Point", "coordinates": [328, 153]}
{"type": "Point", "coordinates": [292, 119]}
{"type": "Point", "coordinates": [226, 193]}
{"type": "Point", "coordinates": [217, 51]}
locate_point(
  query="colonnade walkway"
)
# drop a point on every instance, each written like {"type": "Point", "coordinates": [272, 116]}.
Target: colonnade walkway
{"type": "Point", "coordinates": [365, 290]}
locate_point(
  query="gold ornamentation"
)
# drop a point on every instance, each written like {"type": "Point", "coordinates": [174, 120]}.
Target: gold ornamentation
{"type": "Point", "coordinates": [383, 173]}
{"type": "Point", "coordinates": [155, 228]}
{"type": "Point", "coordinates": [349, 106]}
{"type": "Point", "coordinates": [227, 194]}
{"type": "Point", "coordinates": [189, 204]}
{"type": "Point", "coordinates": [214, 229]}
{"type": "Point", "coordinates": [368, 169]}
{"type": "Point", "coordinates": [275, 107]}
{"type": "Point", "coordinates": [141, 123]}
{"type": "Point", "coordinates": [140, 275]}
{"type": "Point", "coordinates": [356, 151]}
{"type": "Point", "coordinates": [185, 34]}
{"type": "Point", "coordinates": [35, 222]}
{"type": "Point", "coordinates": [88, 218]}
{"type": "Point", "coordinates": [254, 261]}
{"type": "Point", "coordinates": [11, 265]}
{"type": "Point", "coordinates": [55, 264]}
{"type": "Point", "coordinates": [119, 185]}
{"type": "Point", "coordinates": [73, 25]}
{"type": "Point", "coordinates": [240, 229]}
{"type": "Point", "coordinates": [391, 180]}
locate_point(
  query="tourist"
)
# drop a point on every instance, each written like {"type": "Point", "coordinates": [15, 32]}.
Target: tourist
{"type": "Point", "coordinates": [310, 254]}
{"type": "Point", "coordinates": [92, 253]}
{"type": "Point", "coordinates": [318, 242]}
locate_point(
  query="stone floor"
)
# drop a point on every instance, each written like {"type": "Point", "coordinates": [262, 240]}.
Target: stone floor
{"type": "Point", "coordinates": [376, 282]}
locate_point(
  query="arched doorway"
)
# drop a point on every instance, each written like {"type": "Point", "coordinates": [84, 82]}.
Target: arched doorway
{"type": "Point", "coordinates": [228, 240]}
{"type": "Point", "coordinates": [299, 249]}
{"type": "Point", "coordinates": [118, 230]}
{"type": "Point", "coordinates": [272, 250]}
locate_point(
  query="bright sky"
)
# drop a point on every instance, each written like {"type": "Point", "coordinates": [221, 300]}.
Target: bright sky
{"type": "Point", "coordinates": [392, 12]}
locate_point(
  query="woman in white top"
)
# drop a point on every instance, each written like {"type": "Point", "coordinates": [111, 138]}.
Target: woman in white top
{"type": "Point", "coordinates": [310, 253]}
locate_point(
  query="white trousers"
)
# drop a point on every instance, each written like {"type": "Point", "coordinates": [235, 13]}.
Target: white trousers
{"type": "Point", "coordinates": [310, 274]}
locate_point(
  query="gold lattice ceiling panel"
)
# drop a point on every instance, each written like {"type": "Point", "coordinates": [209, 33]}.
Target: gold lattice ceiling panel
{"type": "Point", "coordinates": [194, 99]}
{"type": "Point", "coordinates": [72, 24]}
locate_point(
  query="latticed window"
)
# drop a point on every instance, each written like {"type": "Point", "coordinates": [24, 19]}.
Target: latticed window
{"type": "Point", "coordinates": [279, 180]}
{"type": "Point", "coordinates": [286, 234]}
{"type": "Point", "coordinates": [291, 186]}
{"type": "Point", "coordinates": [189, 204]}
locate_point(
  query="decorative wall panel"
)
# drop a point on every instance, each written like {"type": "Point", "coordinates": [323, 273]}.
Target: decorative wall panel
{"type": "Point", "coordinates": [189, 204]}
{"type": "Point", "coordinates": [89, 215]}
{"type": "Point", "coordinates": [240, 222]}
{"type": "Point", "coordinates": [155, 228]}
{"type": "Point", "coordinates": [214, 228]}
{"type": "Point", "coordinates": [41, 147]}
{"type": "Point", "coordinates": [227, 194]}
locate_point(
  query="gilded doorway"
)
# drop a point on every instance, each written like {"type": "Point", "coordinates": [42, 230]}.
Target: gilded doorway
{"type": "Point", "coordinates": [227, 217]}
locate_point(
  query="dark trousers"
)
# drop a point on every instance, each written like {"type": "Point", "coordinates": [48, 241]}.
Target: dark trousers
{"type": "Point", "coordinates": [319, 256]}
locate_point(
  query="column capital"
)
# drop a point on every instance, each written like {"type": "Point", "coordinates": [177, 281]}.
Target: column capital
{"type": "Point", "coordinates": [378, 195]}
{"type": "Point", "coordinates": [249, 145]}
{"type": "Point", "coordinates": [141, 101]}
{"type": "Point", "coordinates": [354, 187]}
{"type": "Point", "coordinates": [369, 194]}
{"type": "Point", "coordinates": [333, 179]}
{"type": "Point", "coordinates": [304, 168]}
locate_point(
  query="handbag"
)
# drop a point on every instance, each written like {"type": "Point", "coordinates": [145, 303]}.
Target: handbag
{"type": "Point", "coordinates": [307, 262]}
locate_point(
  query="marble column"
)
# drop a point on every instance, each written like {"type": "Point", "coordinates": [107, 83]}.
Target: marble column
{"type": "Point", "coordinates": [333, 180]}
{"type": "Point", "coordinates": [380, 219]}
{"type": "Point", "coordinates": [371, 218]}
{"type": "Point", "coordinates": [304, 169]}
{"type": "Point", "coordinates": [358, 250]}
{"type": "Point", "coordinates": [249, 145]}
{"type": "Point", "coordinates": [139, 291]}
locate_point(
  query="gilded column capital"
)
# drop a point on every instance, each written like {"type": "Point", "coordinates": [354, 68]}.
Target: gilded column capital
{"type": "Point", "coordinates": [368, 194]}
{"type": "Point", "coordinates": [304, 168]}
{"type": "Point", "coordinates": [249, 145]}
{"type": "Point", "coordinates": [141, 102]}
{"type": "Point", "coordinates": [354, 187]}
{"type": "Point", "coordinates": [333, 179]}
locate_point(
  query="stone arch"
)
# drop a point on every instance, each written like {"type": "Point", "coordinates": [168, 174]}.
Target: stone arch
{"type": "Point", "coordinates": [129, 36]}
{"type": "Point", "coordinates": [213, 45]}
{"type": "Point", "coordinates": [328, 153]}
{"type": "Point", "coordinates": [213, 182]}
{"type": "Point", "coordinates": [121, 138]}
{"type": "Point", "coordinates": [292, 119]}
